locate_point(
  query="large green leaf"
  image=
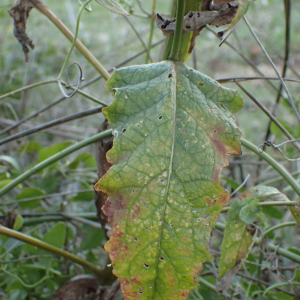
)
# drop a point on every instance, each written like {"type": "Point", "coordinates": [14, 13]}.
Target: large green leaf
{"type": "Point", "coordinates": [173, 129]}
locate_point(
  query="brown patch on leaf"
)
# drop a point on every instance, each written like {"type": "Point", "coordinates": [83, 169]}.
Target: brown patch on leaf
{"type": "Point", "coordinates": [20, 13]}
{"type": "Point", "coordinates": [184, 294]}
{"type": "Point", "coordinates": [137, 208]}
{"type": "Point", "coordinates": [224, 199]}
{"type": "Point", "coordinates": [221, 148]}
{"type": "Point", "coordinates": [102, 146]}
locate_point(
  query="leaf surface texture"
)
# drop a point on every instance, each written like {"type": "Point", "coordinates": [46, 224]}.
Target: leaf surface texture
{"type": "Point", "coordinates": [173, 130]}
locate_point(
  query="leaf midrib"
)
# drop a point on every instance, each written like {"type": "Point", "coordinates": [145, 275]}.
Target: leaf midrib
{"type": "Point", "coordinates": [174, 83]}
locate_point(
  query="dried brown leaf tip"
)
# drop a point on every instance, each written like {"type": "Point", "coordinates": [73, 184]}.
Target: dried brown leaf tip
{"type": "Point", "coordinates": [20, 13]}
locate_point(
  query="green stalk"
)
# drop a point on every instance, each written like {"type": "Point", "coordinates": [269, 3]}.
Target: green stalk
{"type": "Point", "coordinates": [270, 203]}
{"type": "Point", "coordinates": [274, 180]}
{"type": "Point", "coordinates": [57, 218]}
{"type": "Point", "coordinates": [82, 8]}
{"type": "Point", "coordinates": [272, 162]}
{"type": "Point", "coordinates": [35, 242]}
{"type": "Point", "coordinates": [278, 227]}
{"type": "Point", "coordinates": [286, 253]}
{"type": "Point", "coordinates": [183, 55]}
{"type": "Point", "coordinates": [151, 30]}
{"type": "Point", "coordinates": [27, 87]}
{"type": "Point", "coordinates": [70, 36]}
{"type": "Point", "coordinates": [178, 30]}
{"type": "Point", "coordinates": [191, 5]}
{"type": "Point", "coordinates": [53, 159]}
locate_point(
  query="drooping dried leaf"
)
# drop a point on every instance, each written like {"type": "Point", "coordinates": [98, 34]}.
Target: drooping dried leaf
{"type": "Point", "coordinates": [195, 21]}
{"type": "Point", "coordinates": [20, 13]}
{"type": "Point", "coordinates": [237, 240]}
{"type": "Point", "coordinates": [242, 10]}
{"type": "Point", "coordinates": [173, 130]}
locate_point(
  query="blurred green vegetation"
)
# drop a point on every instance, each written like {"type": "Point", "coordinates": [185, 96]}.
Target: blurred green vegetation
{"type": "Point", "coordinates": [66, 186]}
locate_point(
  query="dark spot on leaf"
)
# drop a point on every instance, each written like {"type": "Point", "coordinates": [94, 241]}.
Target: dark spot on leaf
{"type": "Point", "coordinates": [147, 227]}
{"type": "Point", "coordinates": [133, 191]}
{"type": "Point", "coordinates": [201, 83]}
{"type": "Point", "coordinates": [135, 239]}
{"type": "Point", "coordinates": [161, 180]}
{"type": "Point", "coordinates": [160, 117]}
{"type": "Point", "coordinates": [146, 120]}
{"type": "Point", "coordinates": [146, 266]}
{"type": "Point", "coordinates": [170, 75]}
{"type": "Point", "coordinates": [145, 203]}
{"type": "Point", "coordinates": [215, 131]}
{"type": "Point", "coordinates": [161, 258]}
{"type": "Point", "coordinates": [140, 291]}
{"type": "Point", "coordinates": [124, 130]}
{"type": "Point", "coordinates": [171, 225]}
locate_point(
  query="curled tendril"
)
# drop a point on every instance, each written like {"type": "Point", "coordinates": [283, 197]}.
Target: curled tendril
{"type": "Point", "coordinates": [276, 147]}
{"type": "Point", "coordinates": [69, 85]}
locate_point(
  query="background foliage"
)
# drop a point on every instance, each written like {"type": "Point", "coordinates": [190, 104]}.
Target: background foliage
{"type": "Point", "coordinates": [66, 186]}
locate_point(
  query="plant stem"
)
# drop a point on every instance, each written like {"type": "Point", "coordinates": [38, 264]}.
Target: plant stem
{"type": "Point", "coordinates": [270, 203]}
{"type": "Point", "coordinates": [27, 87]}
{"type": "Point", "coordinates": [275, 69]}
{"type": "Point", "coordinates": [53, 159]}
{"type": "Point", "coordinates": [279, 178]}
{"type": "Point", "coordinates": [35, 242]}
{"type": "Point", "coordinates": [286, 253]}
{"type": "Point", "coordinates": [279, 226]}
{"type": "Point", "coordinates": [151, 30]}
{"type": "Point", "coordinates": [139, 37]}
{"type": "Point", "coordinates": [58, 217]}
{"type": "Point", "coordinates": [70, 36]}
{"type": "Point", "coordinates": [74, 40]}
{"type": "Point", "coordinates": [280, 169]}
{"type": "Point", "coordinates": [83, 86]}
{"type": "Point", "coordinates": [53, 123]}
{"type": "Point", "coordinates": [208, 284]}
{"type": "Point", "coordinates": [178, 30]}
